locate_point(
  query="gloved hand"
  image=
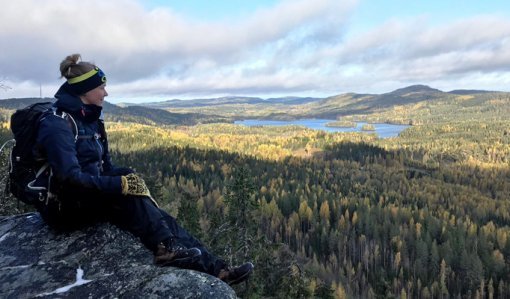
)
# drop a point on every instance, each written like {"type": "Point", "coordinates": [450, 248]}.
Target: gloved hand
{"type": "Point", "coordinates": [132, 184]}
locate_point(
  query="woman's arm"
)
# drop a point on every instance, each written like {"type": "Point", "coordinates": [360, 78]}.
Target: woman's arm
{"type": "Point", "coordinates": [57, 140]}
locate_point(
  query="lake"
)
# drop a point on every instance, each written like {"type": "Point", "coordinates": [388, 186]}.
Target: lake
{"type": "Point", "coordinates": [382, 130]}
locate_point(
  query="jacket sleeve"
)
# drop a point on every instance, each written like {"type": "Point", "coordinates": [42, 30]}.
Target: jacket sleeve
{"type": "Point", "coordinates": [57, 141]}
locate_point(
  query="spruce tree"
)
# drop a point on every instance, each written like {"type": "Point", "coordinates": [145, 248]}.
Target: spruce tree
{"type": "Point", "coordinates": [189, 216]}
{"type": "Point", "coordinates": [241, 203]}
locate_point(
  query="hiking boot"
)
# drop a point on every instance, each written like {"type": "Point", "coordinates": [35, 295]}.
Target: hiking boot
{"type": "Point", "coordinates": [170, 256]}
{"type": "Point", "coordinates": [237, 274]}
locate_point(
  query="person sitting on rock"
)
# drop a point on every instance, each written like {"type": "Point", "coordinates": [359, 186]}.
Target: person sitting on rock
{"type": "Point", "coordinates": [88, 188]}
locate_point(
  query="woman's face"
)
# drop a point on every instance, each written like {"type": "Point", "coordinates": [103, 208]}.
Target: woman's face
{"type": "Point", "coordinates": [95, 96]}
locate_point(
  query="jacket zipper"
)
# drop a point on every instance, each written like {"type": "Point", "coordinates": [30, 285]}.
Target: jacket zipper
{"type": "Point", "coordinates": [96, 137]}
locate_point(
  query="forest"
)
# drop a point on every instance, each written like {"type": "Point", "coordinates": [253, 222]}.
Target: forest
{"type": "Point", "coordinates": [341, 215]}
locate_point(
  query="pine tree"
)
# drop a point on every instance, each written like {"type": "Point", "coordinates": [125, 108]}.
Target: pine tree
{"type": "Point", "coordinates": [442, 280]}
{"type": "Point", "coordinates": [241, 203]}
{"type": "Point", "coordinates": [324, 291]}
{"type": "Point", "coordinates": [189, 216]}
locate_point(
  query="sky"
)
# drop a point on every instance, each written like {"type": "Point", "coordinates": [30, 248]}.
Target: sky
{"type": "Point", "coordinates": [162, 50]}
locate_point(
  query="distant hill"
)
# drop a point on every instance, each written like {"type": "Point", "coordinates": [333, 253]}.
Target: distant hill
{"type": "Point", "coordinates": [407, 95]}
{"type": "Point", "coordinates": [414, 89]}
{"type": "Point", "coordinates": [226, 101]}
{"type": "Point", "coordinates": [154, 116]}
{"type": "Point", "coordinates": [227, 109]}
{"type": "Point", "coordinates": [201, 102]}
{"type": "Point", "coordinates": [348, 104]}
{"type": "Point", "coordinates": [351, 101]}
{"type": "Point", "coordinates": [14, 104]}
{"type": "Point", "coordinates": [469, 91]}
{"type": "Point", "coordinates": [355, 104]}
{"type": "Point", "coordinates": [292, 100]}
{"type": "Point", "coordinates": [138, 114]}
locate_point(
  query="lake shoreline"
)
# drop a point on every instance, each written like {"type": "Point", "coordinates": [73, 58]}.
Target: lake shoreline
{"type": "Point", "coordinates": [383, 130]}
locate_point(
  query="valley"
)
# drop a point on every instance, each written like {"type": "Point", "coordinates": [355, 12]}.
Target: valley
{"type": "Point", "coordinates": [338, 214]}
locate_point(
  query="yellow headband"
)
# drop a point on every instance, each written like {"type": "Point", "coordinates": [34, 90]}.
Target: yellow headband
{"type": "Point", "coordinates": [83, 77]}
{"type": "Point", "coordinates": [85, 82]}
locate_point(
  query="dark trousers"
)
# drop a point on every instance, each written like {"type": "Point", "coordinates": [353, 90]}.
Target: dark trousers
{"type": "Point", "coordinates": [136, 214]}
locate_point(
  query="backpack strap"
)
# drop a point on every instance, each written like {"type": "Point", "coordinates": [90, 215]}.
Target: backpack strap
{"type": "Point", "coordinates": [13, 141]}
{"type": "Point", "coordinates": [74, 126]}
{"type": "Point", "coordinates": [30, 185]}
{"type": "Point", "coordinates": [70, 119]}
{"type": "Point", "coordinates": [95, 136]}
{"type": "Point", "coordinates": [39, 172]}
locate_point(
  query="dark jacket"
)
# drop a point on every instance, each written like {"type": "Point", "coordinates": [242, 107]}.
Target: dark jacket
{"type": "Point", "coordinates": [85, 163]}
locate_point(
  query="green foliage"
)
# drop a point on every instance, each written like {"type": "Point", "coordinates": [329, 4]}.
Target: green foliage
{"type": "Point", "coordinates": [189, 216]}
{"type": "Point", "coordinates": [235, 232]}
{"type": "Point", "coordinates": [239, 198]}
{"type": "Point", "coordinates": [350, 210]}
{"type": "Point", "coordinates": [424, 215]}
{"type": "Point", "coordinates": [324, 291]}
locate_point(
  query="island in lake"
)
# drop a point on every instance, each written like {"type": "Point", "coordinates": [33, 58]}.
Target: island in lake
{"type": "Point", "coordinates": [342, 124]}
{"type": "Point", "coordinates": [368, 127]}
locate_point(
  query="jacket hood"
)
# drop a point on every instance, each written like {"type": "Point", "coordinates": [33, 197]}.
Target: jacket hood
{"type": "Point", "coordinates": [66, 100]}
{"type": "Point", "coordinates": [71, 103]}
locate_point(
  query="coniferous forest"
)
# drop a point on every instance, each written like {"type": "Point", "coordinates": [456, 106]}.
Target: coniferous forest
{"type": "Point", "coordinates": [341, 215]}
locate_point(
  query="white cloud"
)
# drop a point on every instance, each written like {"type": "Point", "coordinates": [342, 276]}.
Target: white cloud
{"type": "Point", "coordinates": [414, 52]}
{"type": "Point", "coordinates": [295, 47]}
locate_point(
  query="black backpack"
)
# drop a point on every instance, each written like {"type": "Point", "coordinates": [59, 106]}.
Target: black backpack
{"type": "Point", "coordinates": [24, 167]}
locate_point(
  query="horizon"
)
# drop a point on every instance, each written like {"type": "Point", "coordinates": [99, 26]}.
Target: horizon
{"type": "Point", "coordinates": [149, 101]}
{"type": "Point", "coordinates": [264, 48]}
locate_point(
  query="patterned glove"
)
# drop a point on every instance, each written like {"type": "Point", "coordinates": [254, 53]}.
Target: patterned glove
{"type": "Point", "coordinates": [134, 185]}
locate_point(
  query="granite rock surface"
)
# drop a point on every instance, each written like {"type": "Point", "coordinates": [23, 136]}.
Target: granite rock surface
{"type": "Point", "coordinates": [97, 262]}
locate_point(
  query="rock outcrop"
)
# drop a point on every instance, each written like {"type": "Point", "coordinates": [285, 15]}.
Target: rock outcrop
{"type": "Point", "coordinates": [96, 262]}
